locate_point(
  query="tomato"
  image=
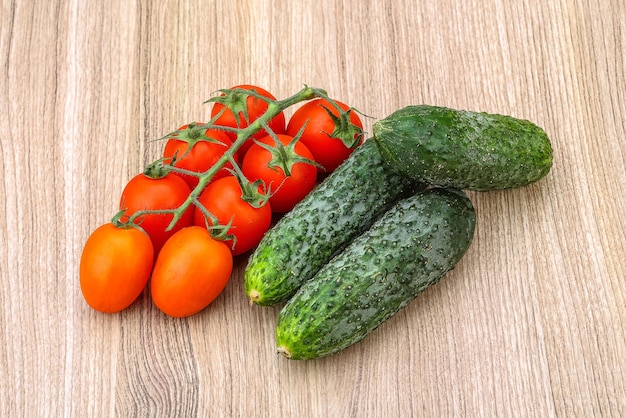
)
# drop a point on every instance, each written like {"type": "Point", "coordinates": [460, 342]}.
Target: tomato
{"type": "Point", "coordinates": [286, 191]}
{"type": "Point", "coordinates": [223, 199]}
{"type": "Point", "coordinates": [115, 267]}
{"type": "Point", "coordinates": [191, 270]}
{"type": "Point", "coordinates": [143, 192]}
{"type": "Point", "coordinates": [256, 108]}
{"type": "Point", "coordinates": [328, 151]}
{"type": "Point", "coordinates": [198, 152]}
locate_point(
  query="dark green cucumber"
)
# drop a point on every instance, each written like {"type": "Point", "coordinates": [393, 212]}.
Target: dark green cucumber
{"type": "Point", "coordinates": [340, 208]}
{"type": "Point", "coordinates": [406, 250]}
{"type": "Point", "coordinates": [463, 149]}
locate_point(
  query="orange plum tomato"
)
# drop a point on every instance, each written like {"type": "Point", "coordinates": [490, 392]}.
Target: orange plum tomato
{"type": "Point", "coordinates": [198, 150]}
{"type": "Point", "coordinates": [115, 266]}
{"type": "Point", "coordinates": [190, 272]}
{"type": "Point", "coordinates": [256, 108]}
{"type": "Point", "coordinates": [328, 151]}
{"type": "Point", "coordinates": [223, 199]}
{"type": "Point", "coordinates": [285, 190]}
{"type": "Point", "coordinates": [143, 192]}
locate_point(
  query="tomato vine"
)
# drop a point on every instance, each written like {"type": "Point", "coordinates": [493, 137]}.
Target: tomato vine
{"type": "Point", "coordinates": [235, 100]}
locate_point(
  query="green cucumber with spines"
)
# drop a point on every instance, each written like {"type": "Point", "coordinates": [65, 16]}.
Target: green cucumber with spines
{"type": "Point", "coordinates": [340, 208]}
{"type": "Point", "coordinates": [410, 247]}
{"type": "Point", "coordinates": [463, 149]}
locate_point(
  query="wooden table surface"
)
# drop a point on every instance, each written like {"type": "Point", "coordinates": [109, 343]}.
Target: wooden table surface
{"type": "Point", "coordinates": [531, 323]}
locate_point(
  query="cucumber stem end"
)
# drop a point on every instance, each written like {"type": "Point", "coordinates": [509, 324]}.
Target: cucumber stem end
{"type": "Point", "coordinates": [284, 351]}
{"type": "Point", "coordinates": [254, 296]}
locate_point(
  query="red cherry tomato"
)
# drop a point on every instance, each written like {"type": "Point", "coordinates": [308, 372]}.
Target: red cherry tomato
{"type": "Point", "coordinates": [256, 108]}
{"type": "Point", "coordinates": [115, 267]}
{"type": "Point", "coordinates": [286, 190]}
{"type": "Point", "coordinates": [223, 199]}
{"type": "Point", "coordinates": [146, 193]}
{"type": "Point", "coordinates": [328, 151]}
{"type": "Point", "coordinates": [190, 272]}
{"type": "Point", "coordinates": [198, 151]}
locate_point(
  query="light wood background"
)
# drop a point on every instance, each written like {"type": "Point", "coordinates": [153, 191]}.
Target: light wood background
{"type": "Point", "coordinates": [532, 321]}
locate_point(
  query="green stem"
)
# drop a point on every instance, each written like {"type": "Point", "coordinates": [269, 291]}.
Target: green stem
{"type": "Point", "coordinates": [138, 214]}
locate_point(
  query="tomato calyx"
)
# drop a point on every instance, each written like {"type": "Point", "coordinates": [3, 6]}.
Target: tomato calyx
{"type": "Point", "coordinates": [346, 131]}
{"type": "Point", "coordinates": [285, 156]}
{"type": "Point", "coordinates": [158, 169]}
{"type": "Point", "coordinates": [220, 232]}
{"type": "Point", "coordinates": [217, 230]}
{"type": "Point", "coordinates": [250, 191]}
{"type": "Point", "coordinates": [236, 100]}
{"type": "Point", "coordinates": [193, 133]}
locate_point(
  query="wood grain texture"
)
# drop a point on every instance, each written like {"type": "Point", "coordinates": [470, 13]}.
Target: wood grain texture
{"type": "Point", "coordinates": [532, 322]}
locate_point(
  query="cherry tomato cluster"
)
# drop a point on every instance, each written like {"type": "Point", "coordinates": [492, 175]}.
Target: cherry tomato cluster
{"type": "Point", "coordinates": [212, 196]}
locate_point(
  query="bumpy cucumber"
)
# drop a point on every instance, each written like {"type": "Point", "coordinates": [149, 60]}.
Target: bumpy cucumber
{"type": "Point", "coordinates": [339, 209]}
{"type": "Point", "coordinates": [463, 149]}
{"type": "Point", "coordinates": [406, 250]}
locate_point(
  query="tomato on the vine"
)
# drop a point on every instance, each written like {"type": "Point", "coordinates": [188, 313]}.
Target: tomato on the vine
{"type": "Point", "coordinates": [255, 108]}
{"type": "Point", "coordinates": [328, 150]}
{"type": "Point", "coordinates": [249, 216]}
{"type": "Point", "coordinates": [190, 272]}
{"type": "Point", "coordinates": [197, 150]}
{"type": "Point", "coordinates": [272, 167]}
{"type": "Point", "coordinates": [144, 192]}
{"type": "Point", "coordinates": [115, 266]}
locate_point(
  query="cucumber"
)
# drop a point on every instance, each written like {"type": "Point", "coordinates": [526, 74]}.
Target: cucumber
{"type": "Point", "coordinates": [463, 149]}
{"type": "Point", "coordinates": [337, 210]}
{"type": "Point", "coordinates": [406, 250]}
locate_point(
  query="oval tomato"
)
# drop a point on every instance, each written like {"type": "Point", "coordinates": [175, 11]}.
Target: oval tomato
{"type": "Point", "coordinates": [223, 199]}
{"type": "Point", "coordinates": [115, 267]}
{"type": "Point", "coordinates": [328, 151]}
{"type": "Point", "coordinates": [198, 151]}
{"type": "Point", "coordinates": [191, 270]}
{"type": "Point", "coordinates": [255, 108]}
{"type": "Point", "coordinates": [285, 191]}
{"type": "Point", "coordinates": [147, 193]}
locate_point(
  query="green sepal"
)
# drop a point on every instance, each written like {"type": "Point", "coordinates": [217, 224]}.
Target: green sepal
{"type": "Point", "coordinates": [285, 156]}
{"type": "Point", "coordinates": [234, 99]}
{"type": "Point", "coordinates": [250, 190]}
{"type": "Point", "coordinates": [346, 131]}
{"type": "Point", "coordinates": [157, 169]}
{"type": "Point", "coordinates": [195, 132]}
{"type": "Point", "coordinates": [217, 230]}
